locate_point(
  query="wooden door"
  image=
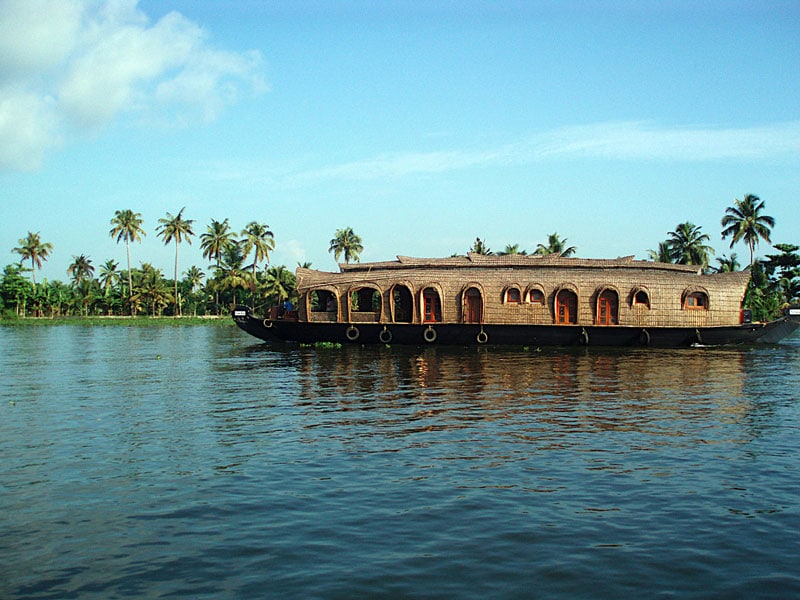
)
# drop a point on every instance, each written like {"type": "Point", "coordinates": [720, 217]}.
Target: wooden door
{"type": "Point", "coordinates": [432, 306]}
{"type": "Point", "coordinates": [607, 308]}
{"type": "Point", "coordinates": [473, 308]}
{"type": "Point", "coordinates": [566, 308]}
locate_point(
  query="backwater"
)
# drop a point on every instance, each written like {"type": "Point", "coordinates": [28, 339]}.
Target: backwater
{"type": "Point", "coordinates": [197, 462]}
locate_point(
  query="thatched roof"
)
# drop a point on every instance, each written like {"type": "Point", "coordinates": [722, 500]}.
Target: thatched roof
{"type": "Point", "coordinates": [516, 260]}
{"type": "Point", "coordinates": [388, 270]}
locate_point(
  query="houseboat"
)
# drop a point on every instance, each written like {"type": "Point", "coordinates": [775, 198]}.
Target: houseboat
{"type": "Point", "coordinates": [530, 301]}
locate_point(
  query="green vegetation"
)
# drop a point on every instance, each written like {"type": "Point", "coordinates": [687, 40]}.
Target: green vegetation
{"type": "Point", "coordinates": [346, 243]}
{"type": "Point", "coordinates": [178, 229]}
{"type": "Point", "coordinates": [555, 245]}
{"type": "Point", "coordinates": [145, 292]}
{"type": "Point", "coordinates": [333, 345]}
{"type": "Point", "coordinates": [775, 279]}
{"type": "Point", "coordinates": [101, 321]}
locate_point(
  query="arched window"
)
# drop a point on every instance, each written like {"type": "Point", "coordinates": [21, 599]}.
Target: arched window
{"type": "Point", "coordinates": [324, 305]}
{"type": "Point", "coordinates": [365, 304]}
{"type": "Point", "coordinates": [513, 296]}
{"type": "Point", "coordinates": [365, 299]}
{"type": "Point", "coordinates": [695, 301]}
{"type": "Point", "coordinates": [640, 297]}
{"type": "Point", "coordinates": [536, 296]}
{"type": "Point", "coordinates": [323, 301]}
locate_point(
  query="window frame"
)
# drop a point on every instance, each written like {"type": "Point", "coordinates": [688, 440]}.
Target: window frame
{"type": "Point", "coordinates": [690, 300]}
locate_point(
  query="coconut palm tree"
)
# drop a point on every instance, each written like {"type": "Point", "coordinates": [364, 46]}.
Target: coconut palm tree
{"type": "Point", "coordinates": [346, 243]}
{"type": "Point", "coordinates": [151, 289]}
{"type": "Point", "coordinates": [259, 240]}
{"type": "Point", "coordinates": [81, 268]}
{"type": "Point", "coordinates": [555, 245]}
{"type": "Point", "coordinates": [513, 249]}
{"type": "Point", "coordinates": [745, 221]}
{"type": "Point", "coordinates": [194, 277]}
{"type": "Point", "coordinates": [127, 225]}
{"type": "Point", "coordinates": [108, 275]}
{"type": "Point", "coordinates": [82, 272]}
{"type": "Point", "coordinates": [232, 272]}
{"type": "Point", "coordinates": [480, 247]}
{"type": "Point", "coordinates": [280, 284]}
{"type": "Point", "coordinates": [34, 249]}
{"type": "Point", "coordinates": [217, 238]}
{"type": "Point", "coordinates": [728, 265]}
{"type": "Point", "coordinates": [687, 245]}
{"type": "Point", "coordinates": [663, 254]}
{"type": "Point", "coordinates": [178, 229]}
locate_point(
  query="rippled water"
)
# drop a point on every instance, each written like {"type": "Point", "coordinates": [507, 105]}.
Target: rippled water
{"type": "Point", "coordinates": [196, 462]}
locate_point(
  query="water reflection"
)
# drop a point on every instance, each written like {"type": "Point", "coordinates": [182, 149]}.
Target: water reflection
{"type": "Point", "coordinates": [412, 390]}
{"type": "Point", "coordinates": [163, 462]}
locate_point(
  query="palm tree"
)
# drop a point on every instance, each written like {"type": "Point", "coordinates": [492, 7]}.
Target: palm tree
{"type": "Point", "coordinates": [233, 273]}
{"type": "Point", "coordinates": [280, 284]}
{"type": "Point", "coordinates": [217, 238]}
{"type": "Point", "coordinates": [728, 265]}
{"type": "Point", "coordinates": [179, 229]}
{"type": "Point", "coordinates": [688, 246]}
{"type": "Point", "coordinates": [513, 249]}
{"type": "Point", "coordinates": [480, 247]}
{"type": "Point", "coordinates": [663, 254]}
{"type": "Point", "coordinates": [259, 240]}
{"type": "Point", "coordinates": [127, 226]}
{"type": "Point", "coordinates": [32, 247]}
{"type": "Point", "coordinates": [80, 269]}
{"type": "Point", "coordinates": [151, 289]}
{"type": "Point", "coordinates": [346, 242]}
{"type": "Point", "coordinates": [555, 245]}
{"type": "Point", "coordinates": [108, 275]}
{"type": "Point", "coordinates": [194, 276]}
{"type": "Point", "coordinates": [744, 221]}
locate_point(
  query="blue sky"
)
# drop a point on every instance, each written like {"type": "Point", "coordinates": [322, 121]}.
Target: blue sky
{"type": "Point", "coordinates": [422, 125]}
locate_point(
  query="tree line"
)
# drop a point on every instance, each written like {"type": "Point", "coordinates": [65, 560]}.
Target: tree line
{"type": "Point", "coordinates": [235, 277]}
{"type": "Point", "coordinates": [775, 279]}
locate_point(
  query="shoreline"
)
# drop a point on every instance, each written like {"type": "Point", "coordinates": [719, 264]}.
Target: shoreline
{"type": "Point", "coordinates": [110, 321]}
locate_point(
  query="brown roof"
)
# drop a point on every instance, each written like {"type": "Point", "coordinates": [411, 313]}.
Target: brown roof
{"type": "Point", "coordinates": [516, 260]}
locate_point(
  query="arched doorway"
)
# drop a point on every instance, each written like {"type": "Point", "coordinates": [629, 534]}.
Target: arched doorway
{"type": "Point", "coordinates": [402, 304]}
{"type": "Point", "coordinates": [473, 306]}
{"type": "Point", "coordinates": [608, 307]}
{"type": "Point", "coordinates": [566, 307]}
{"type": "Point", "coordinates": [432, 306]}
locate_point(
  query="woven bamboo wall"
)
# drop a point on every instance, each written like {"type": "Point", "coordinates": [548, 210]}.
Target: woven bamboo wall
{"type": "Point", "coordinates": [665, 285]}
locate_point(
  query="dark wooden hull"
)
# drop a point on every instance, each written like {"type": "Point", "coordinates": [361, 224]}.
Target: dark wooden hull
{"type": "Point", "coordinates": [519, 335]}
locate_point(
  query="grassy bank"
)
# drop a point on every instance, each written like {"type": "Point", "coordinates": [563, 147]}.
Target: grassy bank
{"type": "Point", "coordinates": [223, 321]}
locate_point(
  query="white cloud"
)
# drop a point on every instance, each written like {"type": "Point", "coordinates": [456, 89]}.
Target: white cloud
{"type": "Point", "coordinates": [27, 129]}
{"type": "Point", "coordinates": [606, 141]}
{"type": "Point", "coordinates": [73, 66]}
{"type": "Point", "coordinates": [643, 141]}
{"type": "Point", "coordinates": [36, 35]}
{"type": "Point", "coordinates": [292, 252]}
